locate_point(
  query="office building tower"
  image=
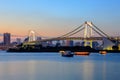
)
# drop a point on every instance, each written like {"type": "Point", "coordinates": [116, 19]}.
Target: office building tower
{"type": "Point", "coordinates": [18, 40]}
{"type": "Point", "coordinates": [39, 38]}
{"type": "Point", "coordinates": [7, 38]}
{"type": "Point", "coordinates": [69, 43]}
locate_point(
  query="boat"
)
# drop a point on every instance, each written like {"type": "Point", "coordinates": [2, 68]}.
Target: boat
{"type": "Point", "coordinates": [66, 53]}
{"type": "Point", "coordinates": [82, 53]}
{"type": "Point", "coordinates": [103, 52]}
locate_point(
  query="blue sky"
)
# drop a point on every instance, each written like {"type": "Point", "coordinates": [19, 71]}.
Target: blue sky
{"type": "Point", "coordinates": [56, 17]}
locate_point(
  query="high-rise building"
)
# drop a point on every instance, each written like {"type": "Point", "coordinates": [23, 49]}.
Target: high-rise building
{"type": "Point", "coordinates": [69, 43]}
{"type": "Point", "coordinates": [18, 40]}
{"type": "Point", "coordinates": [7, 38]}
{"type": "Point", "coordinates": [39, 38]}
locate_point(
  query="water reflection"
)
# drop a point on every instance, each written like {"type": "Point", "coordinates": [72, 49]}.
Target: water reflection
{"type": "Point", "coordinates": [55, 67]}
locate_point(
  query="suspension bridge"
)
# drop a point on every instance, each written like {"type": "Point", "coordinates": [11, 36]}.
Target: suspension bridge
{"type": "Point", "coordinates": [88, 29]}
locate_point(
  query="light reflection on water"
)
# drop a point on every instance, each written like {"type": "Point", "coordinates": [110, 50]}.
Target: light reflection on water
{"type": "Point", "coordinates": [51, 66]}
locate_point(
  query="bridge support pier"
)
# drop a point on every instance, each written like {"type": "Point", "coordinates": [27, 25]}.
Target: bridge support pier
{"type": "Point", "coordinates": [88, 43]}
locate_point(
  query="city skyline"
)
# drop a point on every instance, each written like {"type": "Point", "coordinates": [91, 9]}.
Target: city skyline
{"type": "Point", "coordinates": [56, 17]}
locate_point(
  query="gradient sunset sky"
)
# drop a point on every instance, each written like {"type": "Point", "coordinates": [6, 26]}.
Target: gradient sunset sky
{"type": "Point", "coordinates": [56, 17]}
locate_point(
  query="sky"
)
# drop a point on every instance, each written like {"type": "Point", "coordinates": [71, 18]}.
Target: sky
{"type": "Point", "coordinates": [57, 17]}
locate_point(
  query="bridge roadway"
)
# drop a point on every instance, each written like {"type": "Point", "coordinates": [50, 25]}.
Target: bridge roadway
{"type": "Point", "coordinates": [72, 38]}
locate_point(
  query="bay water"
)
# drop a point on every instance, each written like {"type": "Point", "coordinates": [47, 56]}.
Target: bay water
{"type": "Point", "coordinates": [52, 66]}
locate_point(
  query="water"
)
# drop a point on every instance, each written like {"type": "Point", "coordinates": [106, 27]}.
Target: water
{"type": "Point", "coordinates": [51, 66]}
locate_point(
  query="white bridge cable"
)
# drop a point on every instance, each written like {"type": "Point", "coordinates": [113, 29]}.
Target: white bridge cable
{"type": "Point", "coordinates": [72, 31]}
{"type": "Point", "coordinates": [75, 32]}
{"type": "Point", "coordinates": [41, 35]}
{"type": "Point", "coordinates": [97, 31]}
{"type": "Point", "coordinates": [100, 30]}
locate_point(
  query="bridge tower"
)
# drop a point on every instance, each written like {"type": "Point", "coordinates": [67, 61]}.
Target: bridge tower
{"type": "Point", "coordinates": [88, 32]}
{"type": "Point", "coordinates": [32, 36]}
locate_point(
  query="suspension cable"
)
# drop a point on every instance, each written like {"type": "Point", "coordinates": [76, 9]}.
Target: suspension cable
{"type": "Point", "coordinates": [72, 31]}
{"type": "Point", "coordinates": [100, 30]}
{"type": "Point", "coordinates": [75, 32]}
